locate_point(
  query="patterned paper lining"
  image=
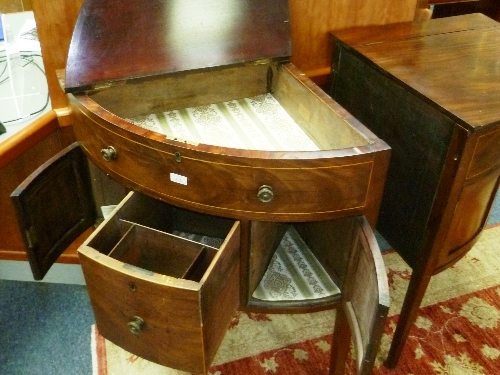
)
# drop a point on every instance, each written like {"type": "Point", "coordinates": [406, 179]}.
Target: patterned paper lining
{"type": "Point", "coordinates": [294, 273]}
{"type": "Point", "coordinates": [258, 123]}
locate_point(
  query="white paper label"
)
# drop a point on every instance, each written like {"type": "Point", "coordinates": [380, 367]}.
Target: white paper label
{"type": "Point", "coordinates": [174, 177]}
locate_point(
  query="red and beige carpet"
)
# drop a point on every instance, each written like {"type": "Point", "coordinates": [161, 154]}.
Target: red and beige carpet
{"type": "Point", "coordinates": [457, 331]}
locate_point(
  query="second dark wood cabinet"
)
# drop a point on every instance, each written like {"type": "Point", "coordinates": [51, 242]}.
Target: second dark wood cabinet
{"type": "Point", "coordinates": [431, 90]}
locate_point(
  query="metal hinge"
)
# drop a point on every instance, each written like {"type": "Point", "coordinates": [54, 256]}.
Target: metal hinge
{"type": "Point", "coordinates": [269, 87]}
{"type": "Point", "coordinates": [102, 85]}
{"type": "Point", "coordinates": [262, 61]}
{"type": "Point", "coordinates": [31, 238]}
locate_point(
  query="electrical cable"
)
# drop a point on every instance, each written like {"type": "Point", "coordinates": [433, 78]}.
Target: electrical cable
{"type": "Point", "coordinates": [29, 58]}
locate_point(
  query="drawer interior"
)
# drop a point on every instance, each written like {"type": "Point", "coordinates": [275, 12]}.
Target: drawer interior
{"type": "Point", "coordinates": [258, 123]}
{"type": "Point", "coordinates": [162, 253]}
{"type": "Point", "coordinates": [156, 237]}
{"type": "Point", "coordinates": [257, 107]}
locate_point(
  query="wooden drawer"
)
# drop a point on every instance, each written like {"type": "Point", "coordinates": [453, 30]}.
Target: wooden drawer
{"type": "Point", "coordinates": [158, 295]}
{"type": "Point", "coordinates": [344, 174]}
{"type": "Point", "coordinates": [236, 131]}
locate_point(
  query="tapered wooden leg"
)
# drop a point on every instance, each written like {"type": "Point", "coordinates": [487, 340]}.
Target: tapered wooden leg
{"type": "Point", "coordinates": [340, 343]}
{"type": "Point", "coordinates": [416, 291]}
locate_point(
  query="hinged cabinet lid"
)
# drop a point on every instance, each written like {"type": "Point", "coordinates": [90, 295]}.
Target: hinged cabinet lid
{"type": "Point", "coordinates": [116, 40]}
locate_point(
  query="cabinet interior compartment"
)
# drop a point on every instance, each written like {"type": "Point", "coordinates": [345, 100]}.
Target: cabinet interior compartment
{"type": "Point", "coordinates": [106, 190]}
{"type": "Point", "coordinates": [255, 107]}
{"type": "Point", "coordinates": [299, 263]}
{"type": "Point", "coordinates": [153, 236]}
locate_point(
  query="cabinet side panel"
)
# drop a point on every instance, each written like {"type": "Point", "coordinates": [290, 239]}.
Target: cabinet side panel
{"type": "Point", "coordinates": [328, 240]}
{"type": "Point", "coordinates": [419, 136]}
{"type": "Point", "coordinates": [220, 296]}
{"type": "Point", "coordinates": [265, 238]}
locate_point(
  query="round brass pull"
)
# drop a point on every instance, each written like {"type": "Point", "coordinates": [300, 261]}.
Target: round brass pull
{"type": "Point", "coordinates": [136, 325]}
{"type": "Point", "coordinates": [265, 194]}
{"type": "Point", "coordinates": [108, 153]}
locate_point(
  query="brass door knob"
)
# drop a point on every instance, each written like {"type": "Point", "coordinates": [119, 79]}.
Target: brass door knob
{"type": "Point", "coordinates": [136, 325]}
{"type": "Point", "coordinates": [265, 194]}
{"type": "Point", "coordinates": [108, 153]}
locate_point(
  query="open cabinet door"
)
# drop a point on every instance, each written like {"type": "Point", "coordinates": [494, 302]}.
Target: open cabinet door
{"type": "Point", "coordinates": [365, 304]}
{"type": "Point", "coordinates": [54, 205]}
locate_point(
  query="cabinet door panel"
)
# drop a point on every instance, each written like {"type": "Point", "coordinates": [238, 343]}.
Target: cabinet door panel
{"type": "Point", "coordinates": [54, 205]}
{"type": "Point", "coordinates": [365, 302]}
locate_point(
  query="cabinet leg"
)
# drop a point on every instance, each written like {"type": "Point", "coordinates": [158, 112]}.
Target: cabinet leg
{"type": "Point", "coordinates": [413, 299]}
{"type": "Point", "coordinates": [340, 344]}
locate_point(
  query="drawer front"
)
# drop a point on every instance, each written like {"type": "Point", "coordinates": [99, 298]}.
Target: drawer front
{"type": "Point", "coordinates": [486, 154]}
{"type": "Point", "coordinates": [476, 198]}
{"type": "Point", "coordinates": [172, 327]}
{"type": "Point", "coordinates": [470, 217]}
{"type": "Point", "coordinates": [227, 185]}
{"type": "Point", "coordinates": [171, 321]}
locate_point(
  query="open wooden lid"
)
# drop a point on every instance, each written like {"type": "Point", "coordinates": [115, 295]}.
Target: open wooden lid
{"type": "Point", "coordinates": [117, 40]}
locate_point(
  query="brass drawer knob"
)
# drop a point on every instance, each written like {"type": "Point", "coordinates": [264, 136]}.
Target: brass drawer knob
{"type": "Point", "coordinates": [265, 194]}
{"type": "Point", "coordinates": [136, 325]}
{"type": "Point", "coordinates": [108, 153]}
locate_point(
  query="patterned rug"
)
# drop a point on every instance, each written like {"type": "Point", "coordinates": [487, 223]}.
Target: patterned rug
{"type": "Point", "coordinates": [457, 331]}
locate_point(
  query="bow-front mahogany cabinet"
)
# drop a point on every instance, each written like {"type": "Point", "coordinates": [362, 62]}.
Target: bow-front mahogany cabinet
{"type": "Point", "coordinates": [246, 180]}
{"type": "Point", "coordinates": [431, 90]}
